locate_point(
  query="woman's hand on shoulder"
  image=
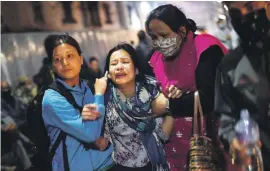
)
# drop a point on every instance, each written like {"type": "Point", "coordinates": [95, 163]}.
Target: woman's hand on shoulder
{"type": "Point", "coordinates": [173, 92]}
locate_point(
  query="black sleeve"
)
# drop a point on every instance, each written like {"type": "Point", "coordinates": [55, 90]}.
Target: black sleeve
{"type": "Point", "coordinates": [205, 79]}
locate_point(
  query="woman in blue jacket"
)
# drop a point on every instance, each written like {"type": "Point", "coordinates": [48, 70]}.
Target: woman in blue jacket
{"type": "Point", "coordinates": [59, 115]}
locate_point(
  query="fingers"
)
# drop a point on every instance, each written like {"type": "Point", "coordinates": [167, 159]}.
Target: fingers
{"type": "Point", "coordinates": [91, 106]}
{"type": "Point", "coordinates": [10, 127]}
{"type": "Point", "coordinates": [90, 118]}
{"type": "Point", "coordinates": [174, 92]}
{"type": "Point", "coordinates": [235, 145]}
{"type": "Point", "coordinates": [240, 152]}
{"type": "Point", "coordinates": [178, 94]}
{"type": "Point", "coordinates": [106, 75]}
{"type": "Point", "coordinates": [90, 112]}
{"type": "Point", "coordinates": [86, 115]}
{"type": "Point", "coordinates": [102, 143]}
{"type": "Point", "coordinates": [171, 88]}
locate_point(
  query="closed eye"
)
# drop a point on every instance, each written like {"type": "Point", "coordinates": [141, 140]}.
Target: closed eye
{"type": "Point", "coordinates": [113, 63]}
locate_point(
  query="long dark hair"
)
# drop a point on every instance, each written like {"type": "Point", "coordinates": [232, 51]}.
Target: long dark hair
{"type": "Point", "coordinates": [133, 55]}
{"type": "Point", "coordinates": [172, 16]}
{"type": "Point", "coordinates": [64, 38]}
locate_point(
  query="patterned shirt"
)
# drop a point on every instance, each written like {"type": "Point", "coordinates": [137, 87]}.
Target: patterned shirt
{"type": "Point", "coordinates": [129, 150]}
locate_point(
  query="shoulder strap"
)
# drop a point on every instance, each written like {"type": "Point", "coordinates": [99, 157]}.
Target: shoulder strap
{"type": "Point", "coordinates": [60, 137]}
{"type": "Point", "coordinates": [64, 92]}
{"type": "Point", "coordinates": [65, 156]}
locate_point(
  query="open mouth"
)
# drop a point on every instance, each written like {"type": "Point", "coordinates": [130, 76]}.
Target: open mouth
{"type": "Point", "coordinates": [120, 75]}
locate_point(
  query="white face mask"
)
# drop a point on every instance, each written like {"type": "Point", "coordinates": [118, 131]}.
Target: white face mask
{"type": "Point", "coordinates": [168, 46]}
{"type": "Point", "coordinates": [222, 25]}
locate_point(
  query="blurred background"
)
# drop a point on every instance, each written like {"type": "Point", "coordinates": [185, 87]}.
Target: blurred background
{"type": "Point", "coordinates": [27, 28]}
{"type": "Point", "coordinates": [96, 25]}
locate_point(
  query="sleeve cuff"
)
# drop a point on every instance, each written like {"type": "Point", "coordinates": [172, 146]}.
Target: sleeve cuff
{"type": "Point", "coordinates": [99, 99]}
{"type": "Point", "coordinates": [162, 136]}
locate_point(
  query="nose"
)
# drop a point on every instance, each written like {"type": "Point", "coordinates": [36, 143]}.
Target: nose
{"type": "Point", "coordinates": [65, 62]}
{"type": "Point", "coordinates": [120, 67]}
{"type": "Point", "coordinates": [159, 38]}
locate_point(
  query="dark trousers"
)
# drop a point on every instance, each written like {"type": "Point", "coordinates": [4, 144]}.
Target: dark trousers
{"type": "Point", "coordinates": [118, 167]}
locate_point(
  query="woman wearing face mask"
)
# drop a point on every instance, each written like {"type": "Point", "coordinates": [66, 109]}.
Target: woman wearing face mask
{"type": "Point", "coordinates": [133, 103]}
{"type": "Point", "coordinates": [183, 63]}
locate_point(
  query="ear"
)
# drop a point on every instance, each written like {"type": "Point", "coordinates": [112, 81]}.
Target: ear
{"type": "Point", "coordinates": [81, 60]}
{"type": "Point", "coordinates": [182, 31]}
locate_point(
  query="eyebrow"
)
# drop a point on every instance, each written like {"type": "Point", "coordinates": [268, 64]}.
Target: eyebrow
{"type": "Point", "coordinates": [123, 57]}
{"type": "Point", "coordinates": [70, 51]}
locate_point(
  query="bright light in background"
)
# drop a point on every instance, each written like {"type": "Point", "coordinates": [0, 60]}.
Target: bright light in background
{"type": "Point", "coordinates": [219, 1]}
{"type": "Point", "coordinates": [4, 68]}
{"type": "Point", "coordinates": [31, 45]}
{"type": "Point", "coordinates": [84, 36]}
{"type": "Point", "coordinates": [2, 57]}
{"type": "Point", "coordinates": [136, 24]}
{"type": "Point", "coordinates": [40, 50]}
{"type": "Point", "coordinates": [77, 37]}
{"type": "Point", "coordinates": [145, 7]}
{"type": "Point", "coordinates": [226, 8]}
{"type": "Point", "coordinates": [90, 33]}
{"type": "Point", "coordinates": [221, 16]}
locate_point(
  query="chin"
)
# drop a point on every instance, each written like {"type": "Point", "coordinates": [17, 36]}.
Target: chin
{"type": "Point", "coordinates": [120, 82]}
{"type": "Point", "coordinates": [171, 57]}
{"type": "Point", "coordinates": [67, 77]}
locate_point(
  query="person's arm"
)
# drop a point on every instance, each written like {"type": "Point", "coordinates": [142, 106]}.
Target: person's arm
{"type": "Point", "coordinates": [58, 112]}
{"type": "Point", "coordinates": [164, 127]}
{"type": "Point", "coordinates": [205, 79]}
{"type": "Point", "coordinates": [226, 105]}
{"type": "Point", "coordinates": [160, 105]}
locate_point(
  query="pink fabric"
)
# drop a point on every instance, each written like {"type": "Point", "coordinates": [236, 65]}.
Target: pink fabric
{"type": "Point", "coordinates": [181, 73]}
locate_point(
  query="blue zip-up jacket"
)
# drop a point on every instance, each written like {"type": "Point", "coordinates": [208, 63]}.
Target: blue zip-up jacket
{"type": "Point", "coordinates": [58, 114]}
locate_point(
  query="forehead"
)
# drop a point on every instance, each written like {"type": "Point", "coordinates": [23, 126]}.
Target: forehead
{"type": "Point", "coordinates": [157, 26]}
{"type": "Point", "coordinates": [63, 48]}
{"type": "Point", "coordinates": [119, 54]}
